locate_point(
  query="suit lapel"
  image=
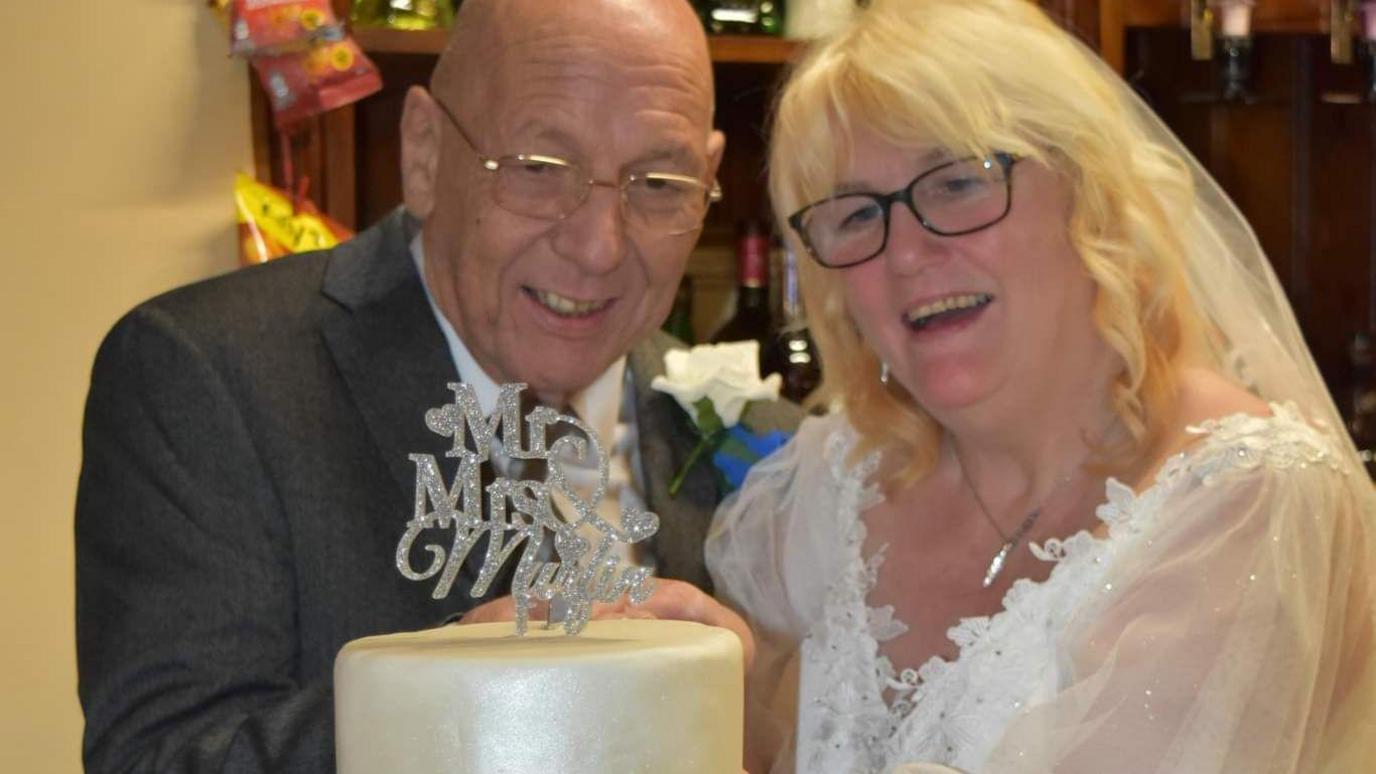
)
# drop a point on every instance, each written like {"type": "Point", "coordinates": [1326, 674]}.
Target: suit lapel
{"type": "Point", "coordinates": [384, 339]}
{"type": "Point", "coordinates": [394, 362]}
{"type": "Point", "coordinates": [667, 436]}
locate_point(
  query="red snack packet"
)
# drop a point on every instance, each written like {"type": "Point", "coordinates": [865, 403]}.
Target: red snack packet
{"type": "Point", "coordinates": [266, 27]}
{"type": "Point", "coordinates": [326, 76]}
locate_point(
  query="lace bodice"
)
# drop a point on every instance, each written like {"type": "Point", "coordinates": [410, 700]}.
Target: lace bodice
{"type": "Point", "coordinates": [859, 713]}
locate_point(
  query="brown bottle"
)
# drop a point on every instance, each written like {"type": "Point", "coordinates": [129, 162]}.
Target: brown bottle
{"type": "Point", "coordinates": [751, 320]}
{"type": "Point", "coordinates": [791, 352]}
{"type": "Point", "coordinates": [679, 324]}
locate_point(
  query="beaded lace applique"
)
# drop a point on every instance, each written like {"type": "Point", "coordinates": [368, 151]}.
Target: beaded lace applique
{"type": "Point", "coordinates": [953, 712]}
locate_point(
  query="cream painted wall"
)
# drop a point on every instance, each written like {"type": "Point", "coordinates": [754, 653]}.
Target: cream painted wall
{"type": "Point", "coordinates": [123, 124]}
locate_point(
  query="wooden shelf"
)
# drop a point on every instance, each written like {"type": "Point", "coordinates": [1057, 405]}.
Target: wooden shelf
{"type": "Point", "coordinates": [1273, 16]}
{"type": "Point", "coordinates": [753, 49]}
{"type": "Point", "coordinates": [725, 48]}
{"type": "Point", "coordinates": [384, 40]}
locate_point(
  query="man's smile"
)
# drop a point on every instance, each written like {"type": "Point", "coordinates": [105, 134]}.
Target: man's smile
{"type": "Point", "coordinates": [565, 306]}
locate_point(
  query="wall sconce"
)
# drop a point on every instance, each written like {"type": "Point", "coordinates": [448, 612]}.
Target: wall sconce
{"type": "Point", "coordinates": [1201, 30]}
{"type": "Point", "coordinates": [1235, 48]}
{"type": "Point", "coordinates": [1348, 19]}
{"type": "Point", "coordinates": [1342, 23]}
{"type": "Point", "coordinates": [1369, 44]}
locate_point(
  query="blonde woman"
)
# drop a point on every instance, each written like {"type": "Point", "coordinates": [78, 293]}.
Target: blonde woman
{"type": "Point", "coordinates": [1084, 504]}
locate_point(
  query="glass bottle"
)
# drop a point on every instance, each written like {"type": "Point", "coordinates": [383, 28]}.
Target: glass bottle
{"type": "Point", "coordinates": [751, 319]}
{"type": "Point", "coordinates": [742, 17]}
{"type": "Point", "coordinates": [680, 321]}
{"type": "Point", "coordinates": [403, 14]}
{"type": "Point", "coordinates": [791, 352]}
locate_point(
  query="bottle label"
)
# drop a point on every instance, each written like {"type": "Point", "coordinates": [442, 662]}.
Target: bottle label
{"type": "Point", "coordinates": [753, 257]}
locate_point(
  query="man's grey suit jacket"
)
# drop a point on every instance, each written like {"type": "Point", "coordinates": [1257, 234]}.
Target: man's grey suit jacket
{"type": "Point", "coordinates": [244, 484]}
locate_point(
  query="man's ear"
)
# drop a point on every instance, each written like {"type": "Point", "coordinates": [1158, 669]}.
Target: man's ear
{"type": "Point", "coordinates": [716, 146]}
{"type": "Point", "coordinates": [420, 152]}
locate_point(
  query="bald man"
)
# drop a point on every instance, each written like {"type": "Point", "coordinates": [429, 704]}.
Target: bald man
{"type": "Point", "coordinates": [246, 477]}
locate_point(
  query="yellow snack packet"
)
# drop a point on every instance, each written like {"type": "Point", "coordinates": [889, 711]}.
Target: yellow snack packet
{"type": "Point", "coordinates": [271, 227]}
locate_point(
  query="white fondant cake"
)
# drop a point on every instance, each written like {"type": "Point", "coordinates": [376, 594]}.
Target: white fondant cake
{"type": "Point", "coordinates": [622, 696]}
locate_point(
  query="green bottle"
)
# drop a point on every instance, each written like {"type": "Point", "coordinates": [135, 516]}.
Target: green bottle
{"type": "Point", "coordinates": [680, 322]}
{"type": "Point", "coordinates": [742, 17]}
{"type": "Point", "coordinates": [403, 14]}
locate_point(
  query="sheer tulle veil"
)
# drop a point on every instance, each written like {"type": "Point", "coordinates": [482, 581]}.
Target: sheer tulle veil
{"type": "Point", "coordinates": [1255, 336]}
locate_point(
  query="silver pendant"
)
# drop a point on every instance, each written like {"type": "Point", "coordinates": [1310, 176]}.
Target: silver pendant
{"type": "Point", "coordinates": [996, 565]}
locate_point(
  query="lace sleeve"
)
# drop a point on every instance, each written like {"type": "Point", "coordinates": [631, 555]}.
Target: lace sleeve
{"type": "Point", "coordinates": [771, 552]}
{"type": "Point", "coordinates": [1234, 633]}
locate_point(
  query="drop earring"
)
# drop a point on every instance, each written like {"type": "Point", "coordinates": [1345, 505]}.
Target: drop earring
{"type": "Point", "coordinates": [884, 373]}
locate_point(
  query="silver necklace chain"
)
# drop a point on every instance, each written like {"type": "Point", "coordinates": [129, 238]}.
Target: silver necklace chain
{"type": "Point", "coordinates": [1010, 542]}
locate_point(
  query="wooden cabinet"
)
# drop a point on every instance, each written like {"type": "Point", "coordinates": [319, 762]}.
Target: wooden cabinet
{"type": "Point", "coordinates": [1301, 166]}
{"type": "Point", "coordinates": [1299, 159]}
{"type": "Point", "coordinates": [352, 155]}
{"type": "Point", "coordinates": [1269, 16]}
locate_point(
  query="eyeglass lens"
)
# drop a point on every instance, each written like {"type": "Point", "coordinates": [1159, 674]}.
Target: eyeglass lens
{"type": "Point", "coordinates": [549, 188]}
{"type": "Point", "coordinates": [954, 198]}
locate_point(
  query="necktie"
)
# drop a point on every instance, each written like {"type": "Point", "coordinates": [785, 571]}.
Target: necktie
{"type": "Point", "coordinates": [583, 474]}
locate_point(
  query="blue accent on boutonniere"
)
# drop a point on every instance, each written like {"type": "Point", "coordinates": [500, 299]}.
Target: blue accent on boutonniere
{"type": "Point", "coordinates": [741, 449]}
{"type": "Point", "coordinates": [732, 449]}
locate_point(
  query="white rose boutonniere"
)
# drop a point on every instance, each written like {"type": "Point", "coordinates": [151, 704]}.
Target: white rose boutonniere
{"type": "Point", "coordinates": [714, 383]}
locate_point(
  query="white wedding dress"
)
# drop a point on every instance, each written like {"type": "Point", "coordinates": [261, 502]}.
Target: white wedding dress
{"type": "Point", "coordinates": [1224, 624]}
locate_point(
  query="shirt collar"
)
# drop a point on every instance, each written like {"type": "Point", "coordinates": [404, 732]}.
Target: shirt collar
{"type": "Point", "coordinates": [598, 405]}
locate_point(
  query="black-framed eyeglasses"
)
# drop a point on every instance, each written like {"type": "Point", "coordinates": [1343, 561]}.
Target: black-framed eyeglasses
{"type": "Point", "coordinates": [954, 198]}
{"type": "Point", "coordinates": [551, 188]}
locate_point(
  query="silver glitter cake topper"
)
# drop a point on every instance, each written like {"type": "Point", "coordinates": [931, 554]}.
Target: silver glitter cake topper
{"type": "Point", "coordinates": [515, 511]}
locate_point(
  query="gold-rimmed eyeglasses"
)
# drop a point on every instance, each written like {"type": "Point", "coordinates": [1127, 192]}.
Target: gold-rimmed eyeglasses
{"type": "Point", "coordinates": [551, 188]}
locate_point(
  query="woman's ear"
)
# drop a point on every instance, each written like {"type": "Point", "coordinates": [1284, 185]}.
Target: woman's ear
{"type": "Point", "coordinates": [420, 152]}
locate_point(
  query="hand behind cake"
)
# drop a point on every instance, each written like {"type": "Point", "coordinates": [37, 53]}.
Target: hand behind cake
{"type": "Point", "coordinates": [680, 601]}
{"type": "Point", "coordinates": [672, 600]}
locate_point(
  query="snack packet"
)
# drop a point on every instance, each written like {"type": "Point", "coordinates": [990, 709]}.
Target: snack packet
{"type": "Point", "coordinates": [326, 76]}
{"type": "Point", "coordinates": [271, 227]}
{"type": "Point", "coordinates": [269, 27]}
